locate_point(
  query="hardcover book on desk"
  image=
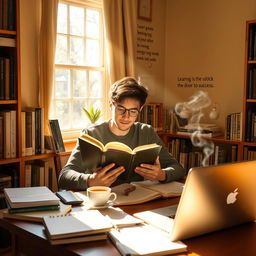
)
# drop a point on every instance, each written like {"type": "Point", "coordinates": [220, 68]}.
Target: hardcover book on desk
{"type": "Point", "coordinates": [31, 197]}
{"type": "Point", "coordinates": [96, 154]}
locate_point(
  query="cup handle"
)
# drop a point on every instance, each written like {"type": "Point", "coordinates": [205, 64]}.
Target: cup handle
{"type": "Point", "coordinates": [113, 195]}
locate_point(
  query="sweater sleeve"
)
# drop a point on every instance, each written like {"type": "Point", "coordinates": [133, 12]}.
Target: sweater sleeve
{"type": "Point", "coordinates": [174, 170]}
{"type": "Point", "coordinates": [74, 175]}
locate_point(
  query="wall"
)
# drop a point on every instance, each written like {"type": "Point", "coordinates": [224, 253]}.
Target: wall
{"type": "Point", "coordinates": [206, 38]}
{"type": "Point", "coordinates": [28, 42]}
{"type": "Point", "coordinates": [150, 52]}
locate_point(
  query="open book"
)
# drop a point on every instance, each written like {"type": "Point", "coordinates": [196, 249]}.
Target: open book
{"type": "Point", "coordinates": [145, 191]}
{"type": "Point", "coordinates": [95, 154]}
{"type": "Point", "coordinates": [144, 240]}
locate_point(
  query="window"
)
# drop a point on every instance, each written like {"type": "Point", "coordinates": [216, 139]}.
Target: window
{"type": "Point", "coordinates": [79, 65]}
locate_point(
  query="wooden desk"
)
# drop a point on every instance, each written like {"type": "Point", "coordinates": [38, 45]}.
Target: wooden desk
{"type": "Point", "coordinates": [29, 238]}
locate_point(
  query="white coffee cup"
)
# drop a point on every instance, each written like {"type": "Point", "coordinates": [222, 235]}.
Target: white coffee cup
{"type": "Point", "coordinates": [100, 195]}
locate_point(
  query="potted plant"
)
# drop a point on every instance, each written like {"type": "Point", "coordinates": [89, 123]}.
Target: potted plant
{"type": "Point", "coordinates": [92, 114]}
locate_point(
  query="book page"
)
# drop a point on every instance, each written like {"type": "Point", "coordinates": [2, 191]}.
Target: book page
{"type": "Point", "coordinates": [118, 146]}
{"type": "Point", "coordinates": [173, 188]}
{"type": "Point", "coordinates": [137, 196]}
{"type": "Point", "coordinates": [76, 224]}
{"type": "Point", "coordinates": [144, 240]}
{"type": "Point", "coordinates": [160, 218]}
{"type": "Point", "coordinates": [143, 147]}
{"type": "Point", "coordinates": [93, 141]}
{"type": "Point", "coordinates": [119, 218]}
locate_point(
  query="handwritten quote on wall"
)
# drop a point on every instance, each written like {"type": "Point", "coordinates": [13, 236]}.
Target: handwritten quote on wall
{"type": "Point", "coordinates": [195, 82]}
{"type": "Point", "coordinates": [145, 40]}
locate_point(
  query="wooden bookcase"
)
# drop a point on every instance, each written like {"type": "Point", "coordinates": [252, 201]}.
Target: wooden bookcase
{"type": "Point", "coordinates": [249, 98]}
{"type": "Point", "coordinates": [10, 99]}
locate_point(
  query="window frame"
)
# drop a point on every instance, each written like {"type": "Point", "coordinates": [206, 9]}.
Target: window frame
{"type": "Point", "coordinates": [71, 134]}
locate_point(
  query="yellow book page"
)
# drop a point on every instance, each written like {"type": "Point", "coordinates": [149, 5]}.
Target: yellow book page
{"type": "Point", "coordinates": [93, 141]}
{"type": "Point", "coordinates": [118, 146]}
{"type": "Point", "coordinates": [140, 148]}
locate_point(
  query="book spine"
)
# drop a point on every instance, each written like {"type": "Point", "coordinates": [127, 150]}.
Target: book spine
{"type": "Point", "coordinates": [34, 209]}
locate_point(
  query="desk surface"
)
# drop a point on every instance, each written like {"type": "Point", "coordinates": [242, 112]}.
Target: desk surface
{"type": "Point", "coordinates": [237, 241]}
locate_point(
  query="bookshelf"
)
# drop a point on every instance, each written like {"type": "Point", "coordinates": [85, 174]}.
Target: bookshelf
{"type": "Point", "coordinates": [12, 161]}
{"type": "Point", "coordinates": [249, 99]}
{"type": "Point", "coordinates": [180, 146]}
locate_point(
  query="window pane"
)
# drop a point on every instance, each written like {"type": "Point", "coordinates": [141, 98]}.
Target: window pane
{"type": "Point", "coordinates": [79, 83]}
{"type": "Point", "coordinates": [92, 23]}
{"type": "Point", "coordinates": [79, 118]}
{"type": "Point", "coordinates": [95, 84]}
{"type": "Point", "coordinates": [62, 113]}
{"type": "Point", "coordinates": [76, 51]}
{"type": "Point", "coordinates": [92, 53]}
{"type": "Point", "coordinates": [62, 83]}
{"type": "Point", "coordinates": [61, 56]}
{"type": "Point", "coordinates": [76, 21]}
{"type": "Point", "coordinates": [62, 19]}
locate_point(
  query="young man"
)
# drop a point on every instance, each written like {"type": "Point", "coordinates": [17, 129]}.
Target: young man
{"type": "Point", "coordinates": [127, 98]}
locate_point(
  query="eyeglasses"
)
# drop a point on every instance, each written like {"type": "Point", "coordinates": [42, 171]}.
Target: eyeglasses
{"type": "Point", "coordinates": [120, 110]}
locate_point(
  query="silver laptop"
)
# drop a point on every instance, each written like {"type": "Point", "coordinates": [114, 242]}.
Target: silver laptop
{"type": "Point", "coordinates": [213, 198]}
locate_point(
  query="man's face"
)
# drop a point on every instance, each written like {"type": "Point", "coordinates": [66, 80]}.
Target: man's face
{"type": "Point", "coordinates": [124, 114]}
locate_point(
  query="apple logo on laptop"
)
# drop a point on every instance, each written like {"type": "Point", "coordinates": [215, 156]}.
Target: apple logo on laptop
{"type": "Point", "coordinates": [231, 198]}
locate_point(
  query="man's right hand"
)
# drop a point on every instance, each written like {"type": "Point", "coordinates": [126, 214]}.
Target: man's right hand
{"type": "Point", "coordinates": [104, 177]}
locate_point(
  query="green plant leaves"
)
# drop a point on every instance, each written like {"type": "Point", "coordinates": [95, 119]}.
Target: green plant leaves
{"type": "Point", "coordinates": [92, 114]}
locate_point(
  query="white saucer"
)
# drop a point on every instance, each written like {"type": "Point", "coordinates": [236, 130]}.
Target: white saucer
{"type": "Point", "coordinates": [108, 204]}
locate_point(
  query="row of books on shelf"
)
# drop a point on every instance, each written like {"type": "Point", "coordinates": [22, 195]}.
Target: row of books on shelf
{"type": "Point", "coordinates": [249, 153]}
{"type": "Point", "coordinates": [252, 83]}
{"type": "Point", "coordinates": [7, 14]}
{"type": "Point", "coordinates": [34, 140]}
{"type": "Point", "coordinates": [32, 132]}
{"type": "Point", "coordinates": [190, 156]}
{"type": "Point", "coordinates": [41, 173]}
{"type": "Point", "coordinates": [234, 126]}
{"type": "Point", "coordinates": [250, 135]}
{"type": "Point", "coordinates": [8, 132]}
{"type": "Point", "coordinates": [252, 43]}
{"type": "Point", "coordinates": [152, 114]}
{"type": "Point", "coordinates": [7, 78]}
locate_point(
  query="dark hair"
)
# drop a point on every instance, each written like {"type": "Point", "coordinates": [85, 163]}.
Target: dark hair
{"type": "Point", "coordinates": [128, 87]}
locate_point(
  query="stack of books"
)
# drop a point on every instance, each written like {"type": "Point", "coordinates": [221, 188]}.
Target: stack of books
{"type": "Point", "coordinates": [31, 199]}
{"type": "Point", "coordinates": [205, 130]}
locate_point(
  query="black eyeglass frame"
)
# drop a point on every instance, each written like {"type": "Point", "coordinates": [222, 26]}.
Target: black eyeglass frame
{"type": "Point", "coordinates": [121, 110]}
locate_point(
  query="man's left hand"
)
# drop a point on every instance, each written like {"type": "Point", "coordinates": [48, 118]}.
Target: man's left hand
{"type": "Point", "coordinates": [151, 172]}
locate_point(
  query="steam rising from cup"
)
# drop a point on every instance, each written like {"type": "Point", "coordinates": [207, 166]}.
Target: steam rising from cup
{"type": "Point", "coordinates": [193, 111]}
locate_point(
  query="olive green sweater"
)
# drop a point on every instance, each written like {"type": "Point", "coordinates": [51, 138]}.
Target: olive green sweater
{"type": "Point", "coordinates": [75, 173]}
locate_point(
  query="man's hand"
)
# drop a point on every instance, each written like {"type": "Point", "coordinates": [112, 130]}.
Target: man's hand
{"type": "Point", "coordinates": [151, 172]}
{"type": "Point", "coordinates": [104, 177]}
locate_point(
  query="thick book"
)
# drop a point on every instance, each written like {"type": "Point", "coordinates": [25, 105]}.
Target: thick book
{"type": "Point", "coordinates": [56, 134]}
{"type": "Point", "coordinates": [80, 239]}
{"type": "Point", "coordinates": [141, 192]}
{"type": "Point", "coordinates": [76, 224]}
{"type": "Point", "coordinates": [30, 197]}
{"type": "Point", "coordinates": [33, 208]}
{"type": "Point", "coordinates": [95, 154]}
{"type": "Point", "coordinates": [144, 240]}
{"type": "Point", "coordinates": [37, 216]}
